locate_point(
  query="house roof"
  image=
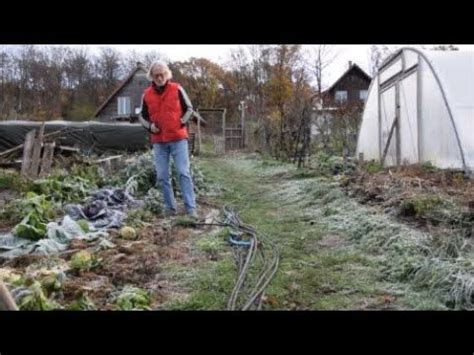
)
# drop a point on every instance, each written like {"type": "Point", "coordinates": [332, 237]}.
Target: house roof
{"type": "Point", "coordinates": [139, 67]}
{"type": "Point", "coordinates": [352, 67]}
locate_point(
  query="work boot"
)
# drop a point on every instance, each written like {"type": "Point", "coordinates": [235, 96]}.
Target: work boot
{"type": "Point", "coordinates": [169, 213]}
{"type": "Point", "coordinates": [193, 215]}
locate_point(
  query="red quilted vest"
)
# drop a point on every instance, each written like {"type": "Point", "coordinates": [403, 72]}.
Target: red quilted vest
{"type": "Point", "coordinates": [165, 111]}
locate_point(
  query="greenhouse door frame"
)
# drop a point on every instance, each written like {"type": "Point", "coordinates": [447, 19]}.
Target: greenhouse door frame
{"type": "Point", "coordinates": [393, 81]}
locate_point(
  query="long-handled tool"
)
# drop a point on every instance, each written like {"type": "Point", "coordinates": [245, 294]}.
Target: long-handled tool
{"type": "Point", "coordinates": [6, 300]}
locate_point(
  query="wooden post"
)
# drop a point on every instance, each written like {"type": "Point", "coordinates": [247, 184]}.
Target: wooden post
{"type": "Point", "coordinates": [192, 143]}
{"type": "Point", "coordinates": [242, 122]}
{"type": "Point", "coordinates": [397, 120]}
{"type": "Point", "coordinates": [471, 207]}
{"type": "Point", "coordinates": [223, 127]}
{"type": "Point", "coordinates": [47, 158]}
{"type": "Point", "coordinates": [379, 116]}
{"type": "Point", "coordinates": [394, 124]}
{"type": "Point", "coordinates": [199, 135]}
{"type": "Point", "coordinates": [27, 150]}
{"type": "Point", "coordinates": [7, 303]}
{"type": "Point", "coordinates": [219, 143]}
{"type": "Point", "coordinates": [36, 155]}
{"type": "Point", "coordinates": [345, 156]}
{"type": "Point", "coordinates": [361, 159]}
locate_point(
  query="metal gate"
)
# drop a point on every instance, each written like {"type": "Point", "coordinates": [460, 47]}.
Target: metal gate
{"type": "Point", "coordinates": [234, 138]}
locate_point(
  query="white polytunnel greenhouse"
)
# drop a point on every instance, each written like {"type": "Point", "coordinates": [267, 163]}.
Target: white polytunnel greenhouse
{"type": "Point", "coordinates": [420, 108]}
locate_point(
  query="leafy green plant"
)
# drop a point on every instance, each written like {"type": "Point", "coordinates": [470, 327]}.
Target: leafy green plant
{"type": "Point", "coordinates": [30, 227]}
{"type": "Point", "coordinates": [154, 201]}
{"type": "Point", "coordinates": [70, 188]}
{"type": "Point", "coordinates": [132, 298]}
{"type": "Point", "coordinates": [184, 221]}
{"type": "Point", "coordinates": [212, 244]}
{"type": "Point", "coordinates": [127, 232]}
{"type": "Point", "coordinates": [200, 181]}
{"type": "Point", "coordinates": [7, 179]}
{"type": "Point", "coordinates": [420, 205]}
{"type": "Point", "coordinates": [143, 171]}
{"type": "Point", "coordinates": [11, 180]}
{"type": "Point", "coordinates": [35, 211]}
{"type": "Point", "coordinates": [92, 173]}
{"type": "Point", "coordinates": [52, 282]}
{"type": "Point", "coordinates": [136, 218]}
{"type": "Point", "coordinates": [334, 165]}
{"type": "Point", "coordinates": [428, 167]}
{"type": "Point", "coordinates": [84, 261]}
{"type": "Point", "coordinates": [373, 167]}
{"type": "Point", "coordinates": [84, 225]}
{"type": "Point", "coordinates": [34, 299]}
{"type": "Point", "coordinates": [82, 303]}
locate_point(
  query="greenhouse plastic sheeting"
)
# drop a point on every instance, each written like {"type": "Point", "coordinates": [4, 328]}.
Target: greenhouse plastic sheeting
{"type": "Point", "coordinates": [89, 136]}
{"type": "Point", "coordinates": [436, 106]}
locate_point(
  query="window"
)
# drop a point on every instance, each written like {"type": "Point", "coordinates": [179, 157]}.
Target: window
{"type": "Point", "coordinates": [363, 95]}
{"type": "Point", "coordinates": [123, 105]}
{"type": "Point", "coordinates": [341, 96]}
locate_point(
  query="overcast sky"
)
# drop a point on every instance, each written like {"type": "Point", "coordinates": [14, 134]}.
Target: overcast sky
{"type": "Point", "coordinates": [220, 53]}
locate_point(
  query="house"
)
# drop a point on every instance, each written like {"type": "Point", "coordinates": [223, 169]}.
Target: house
{"type": "Point", "coordinates": [420, 108]}
{"type": "Point", "coordinates": [341, 105]}
{"type": "Point", "coordinates": [350, 89]}
{"type": "Point", "coordinates": [124, 103]}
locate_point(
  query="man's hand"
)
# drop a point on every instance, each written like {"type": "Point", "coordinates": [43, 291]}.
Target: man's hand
{"type": "Point", "coordinates": [154, 129]}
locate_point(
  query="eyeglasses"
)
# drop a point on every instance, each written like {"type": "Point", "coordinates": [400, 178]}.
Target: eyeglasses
{"type": "Point", "coordinates": [158, 75]}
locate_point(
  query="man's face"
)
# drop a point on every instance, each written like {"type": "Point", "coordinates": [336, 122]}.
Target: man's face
{"type": "Point", "coordinates": [159, 75]}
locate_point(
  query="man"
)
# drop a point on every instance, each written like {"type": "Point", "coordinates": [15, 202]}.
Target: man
{"type": "Point", "coordinates": [165, 111]}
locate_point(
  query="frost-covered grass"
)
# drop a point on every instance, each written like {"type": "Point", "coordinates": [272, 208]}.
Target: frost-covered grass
{"type": "Point", "coordinates": [335, 252]}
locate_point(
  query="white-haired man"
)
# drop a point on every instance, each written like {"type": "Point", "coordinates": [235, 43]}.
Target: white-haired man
{"type": "Point", "coordinates": [165, 111]}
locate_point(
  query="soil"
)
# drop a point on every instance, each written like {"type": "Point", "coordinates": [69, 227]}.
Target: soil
{"type": "Point", "coordinates": [138, 263]}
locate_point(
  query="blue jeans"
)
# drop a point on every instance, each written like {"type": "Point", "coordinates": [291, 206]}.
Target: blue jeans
{"type": "Point", "coordinates": [179, 151]}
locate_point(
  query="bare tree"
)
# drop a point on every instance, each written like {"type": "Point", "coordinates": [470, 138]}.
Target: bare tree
{"type": "Point", "coordinates": [239, 67]}
{"type": "Point", "coordinates": [108, 68]}
{"type": "Point", "coordinates": [77, 67]}
{"type": "Point", "coordinates": [23, 60]}
{"type": "Point", "coordinates": [299, 113]}
{"type": "Point", "coordinates": [259, 68]}
{"type": "Point", "coordinates": [130, 60]}
{"type": "Point", "coordinates": [377, 55]}
{"type": "Point", "coordinates": [319, 58]}
{"type": "Point", "coordinates": [151, 56]}
{"type": "Point", "coordinates": [260, 73]}
{"type": "Point", "coordinates": [4, 64]}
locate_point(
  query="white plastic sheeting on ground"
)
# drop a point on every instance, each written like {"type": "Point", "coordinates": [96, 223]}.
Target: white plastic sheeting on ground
{"type": "Point", "coordinates": [103, 210]}
{"type": "Point", "coordinates": [58, 237]}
